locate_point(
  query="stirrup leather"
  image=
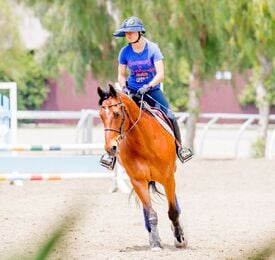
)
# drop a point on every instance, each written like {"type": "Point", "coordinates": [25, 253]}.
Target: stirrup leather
{"type": "Point", "coordinates": [108, 161]}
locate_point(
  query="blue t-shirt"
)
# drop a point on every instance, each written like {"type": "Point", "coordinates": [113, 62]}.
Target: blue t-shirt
{"type": "Point", "coordinates": [140, 64]}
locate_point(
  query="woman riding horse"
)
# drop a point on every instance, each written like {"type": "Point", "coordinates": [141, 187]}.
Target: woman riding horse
{"type": "Point", "coordinates": [145, 62]}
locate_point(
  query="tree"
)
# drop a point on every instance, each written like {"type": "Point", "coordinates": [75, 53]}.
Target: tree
{"type": "Point", "coordinates": [197, 30]}
{"type": "Point", "coordinates": [81, 38]}
{"type": "Point", "coordinates": [10, 45]}
{"type": "Point", "coordinates": [87, 42]}
{"type": "Point", "coordinates": [18, 64]}
{"type": "Point", "coordinates": [252, 30]}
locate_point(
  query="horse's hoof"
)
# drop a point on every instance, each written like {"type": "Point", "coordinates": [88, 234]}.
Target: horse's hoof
{"type": "Point", "coordinates": [156, 248]}
{"type": "Point", "coordinates": [155, 242]}
{"type": "Point", "coordinates": [180, 240]}
{"type": "Point", "coordinates": [182, 244]}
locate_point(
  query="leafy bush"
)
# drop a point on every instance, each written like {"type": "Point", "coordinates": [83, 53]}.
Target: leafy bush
{"type": "Point", "coordinates": [258, 148]}
{"type": "Point", "coordinates": [249, 95]}
{"type": "Point", "coordinates": [32, 87]}
{"type": "Point", "coordinates": [18, 64]}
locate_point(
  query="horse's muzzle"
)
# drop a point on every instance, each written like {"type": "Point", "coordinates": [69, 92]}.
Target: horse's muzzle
{"type": "Point", "coordinates": [111, 150]}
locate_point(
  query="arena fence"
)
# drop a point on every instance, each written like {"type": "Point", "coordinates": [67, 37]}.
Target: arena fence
{"type": "Point", "coordinates": [13, 152]}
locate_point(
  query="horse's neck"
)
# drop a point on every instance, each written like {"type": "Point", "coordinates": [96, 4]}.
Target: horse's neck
{"type": "Point", "coordinates": [132, 109]}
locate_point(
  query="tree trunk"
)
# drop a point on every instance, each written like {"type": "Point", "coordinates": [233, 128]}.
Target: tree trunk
{"type": "Point", "coordinates": [264, 109]}
{"type": "Point", "coordinates": [263, 106]}
{"type": "Point", "coordinates": [193, 106]}
{"type": "Point", "coordinates": [263, 103]}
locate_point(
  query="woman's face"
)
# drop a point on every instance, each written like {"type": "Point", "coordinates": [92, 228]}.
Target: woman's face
{"type": "Point", "coordinates": [131, 36]}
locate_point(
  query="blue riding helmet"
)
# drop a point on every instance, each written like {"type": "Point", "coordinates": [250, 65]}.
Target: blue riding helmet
{"type": "Point", "coordinates": [131, 24]}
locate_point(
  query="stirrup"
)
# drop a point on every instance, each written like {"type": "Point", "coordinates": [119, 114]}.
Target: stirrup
{"type": "Point", "coordinates": [184, 154]}
{"type": "Point", "coordinates": [108, 161]}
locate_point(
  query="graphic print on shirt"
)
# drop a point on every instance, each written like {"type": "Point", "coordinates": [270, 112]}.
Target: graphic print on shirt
{"type": "Point", "coordinates": [143, 70]}
{"type": "Point", "coordinates": [141, 65]}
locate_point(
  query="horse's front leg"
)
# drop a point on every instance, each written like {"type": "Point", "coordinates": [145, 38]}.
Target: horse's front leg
{"type": "Point", "coordinates": [150, 216]}
{"type": "Point", "coordinates": [174, 213]}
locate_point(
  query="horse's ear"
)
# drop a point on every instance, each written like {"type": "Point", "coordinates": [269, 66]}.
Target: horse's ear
{"type": "Point", "coordinates": [112, 90]}
{"type": "Point", "coordinates": [100, 92]}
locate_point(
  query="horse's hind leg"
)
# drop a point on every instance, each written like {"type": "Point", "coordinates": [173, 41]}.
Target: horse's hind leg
{"type": "Point", "coordinates": [150, 216]}
{"type": "Point", "coordinates": [180, 239]}
{"type": "Point", "coordinates": [174, 213]}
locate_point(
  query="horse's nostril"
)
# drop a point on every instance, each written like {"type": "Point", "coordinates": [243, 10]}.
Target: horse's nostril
{"type": "Point", "coordinates": [113, 149]}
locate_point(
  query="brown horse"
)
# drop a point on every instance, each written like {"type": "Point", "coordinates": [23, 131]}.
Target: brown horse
{"type": "Point", "coordinates": [147, 152]}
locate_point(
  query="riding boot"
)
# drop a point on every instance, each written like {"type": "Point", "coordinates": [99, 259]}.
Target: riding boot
{"type": "Point", "coordinates": [184, 153]}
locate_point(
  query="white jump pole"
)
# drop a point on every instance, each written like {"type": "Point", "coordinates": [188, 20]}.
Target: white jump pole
{"type": "Point", "coordinates": [51, 147]}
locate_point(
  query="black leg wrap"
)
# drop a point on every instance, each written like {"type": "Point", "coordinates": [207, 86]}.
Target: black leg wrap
{"type": "Point", "coordinates": [180, 241]}
{"type": "Point", "coordinates": [178, 233]}
{"type": "Point", "coordinates": [173, 214]}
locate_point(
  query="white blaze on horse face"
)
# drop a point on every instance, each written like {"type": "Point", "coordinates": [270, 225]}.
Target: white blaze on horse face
{"type": "Point", "coordinates": [112, 116]}
{"type": "Point", "coordinates": [110, 125]}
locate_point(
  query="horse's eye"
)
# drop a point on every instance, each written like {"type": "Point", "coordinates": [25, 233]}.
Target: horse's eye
{"type": "Point", "coordinates": [116, 114]}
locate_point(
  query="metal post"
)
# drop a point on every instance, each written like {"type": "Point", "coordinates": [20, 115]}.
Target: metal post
{"type": "Point", "coordinates": [13, 108]}
{"type": "Point", "coordinates": [270, 147]}
{"type": "Point", "coordinates": [119, 180]}
{"type": "Point", "coordinates": [243, 127]}
{"type": "Point", "coordinates": [205, 130]}
{"type": "Point", "coordinates": [11, 86]}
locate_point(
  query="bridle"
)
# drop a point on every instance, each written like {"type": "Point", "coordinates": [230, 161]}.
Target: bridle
{"type": "Point", "coordinates": [120, 130]}
{"type": "Point", "coordinates": [121, 135]}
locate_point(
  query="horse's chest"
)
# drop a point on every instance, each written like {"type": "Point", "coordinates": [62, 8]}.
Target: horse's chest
{"type": "Point", "coordinates": [137, 148]}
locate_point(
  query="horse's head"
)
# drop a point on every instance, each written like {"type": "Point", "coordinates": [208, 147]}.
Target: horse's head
{"type": "Point", "coordinates": [112, 114]}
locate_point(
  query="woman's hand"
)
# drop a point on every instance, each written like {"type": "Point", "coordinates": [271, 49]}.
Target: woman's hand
{"type": "Point", "coordinates": [144, 89]}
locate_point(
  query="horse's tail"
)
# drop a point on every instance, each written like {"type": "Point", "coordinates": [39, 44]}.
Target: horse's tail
{"type": "Point", "coordinates": [153, 186]}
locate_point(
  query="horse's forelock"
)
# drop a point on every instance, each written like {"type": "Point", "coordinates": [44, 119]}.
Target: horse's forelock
{"type": "Point", "coordinates": [106, 94]}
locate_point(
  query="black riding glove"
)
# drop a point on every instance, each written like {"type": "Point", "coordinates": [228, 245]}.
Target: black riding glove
{"type": "Point", "coordinates": [144, 89]}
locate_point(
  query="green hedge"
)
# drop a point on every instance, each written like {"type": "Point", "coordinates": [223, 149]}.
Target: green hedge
{"type": "Point", "coordinates": [31, 84]}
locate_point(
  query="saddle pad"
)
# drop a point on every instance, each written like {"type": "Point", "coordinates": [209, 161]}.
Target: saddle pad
{"type": "Point", "coordinates": [160, 116]}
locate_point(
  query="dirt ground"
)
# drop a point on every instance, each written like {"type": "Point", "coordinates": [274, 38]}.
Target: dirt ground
{"type": "Point", "coordinates": [228, 210]}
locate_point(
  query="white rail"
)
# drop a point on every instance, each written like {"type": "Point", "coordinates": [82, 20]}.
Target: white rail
{"type": "Point", "coordinates": [85, 120]}
{"type": "Point", "coordinates": [249, 119]}
{"type": "Point", "coordinates": [85, 124]}
{"type": "Point", "coordinates": [40, 115]}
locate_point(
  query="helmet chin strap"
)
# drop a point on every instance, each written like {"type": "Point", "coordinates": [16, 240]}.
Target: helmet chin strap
{"type": "Point", "coordinates": [139, 36]}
